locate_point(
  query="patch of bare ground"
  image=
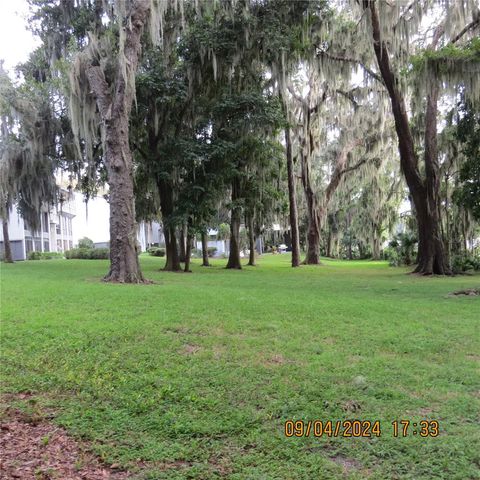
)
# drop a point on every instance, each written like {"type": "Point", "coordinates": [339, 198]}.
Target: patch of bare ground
{"type": "Point", "coordinates": [276, 360]}
{"type": "Point", "coordinates": [348, 464]}
{"type": "Point", "coordinates": [469, 292]}
{"type": "Point", "coordinates": [31, 448]}
{"type": "Point", "coordinates": [189, 349]}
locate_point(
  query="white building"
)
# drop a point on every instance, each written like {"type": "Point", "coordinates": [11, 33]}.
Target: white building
{"type": "Point", "coordinates": [55, 233]}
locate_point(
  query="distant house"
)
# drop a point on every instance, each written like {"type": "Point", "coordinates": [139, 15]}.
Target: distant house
{"type": "Point", "coordinates": [55, 233]}
{"type": "Point", "coordinates": [150, 234]}
{"type": "Point", "coordinates": [222, 246]}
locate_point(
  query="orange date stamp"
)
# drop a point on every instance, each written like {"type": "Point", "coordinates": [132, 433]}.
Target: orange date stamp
{"type": "Point", "coordinates": [360, 428]}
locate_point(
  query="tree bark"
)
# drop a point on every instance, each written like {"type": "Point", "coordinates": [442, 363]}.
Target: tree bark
{"type": "Point", "coordinates": [236, 216]}
{"type": "Point", "coordinates": [115, 107]}
{"type": "Point", "coordinates": [375, 246]}
{"type": "Point", "coordinates": [205, 262]}
{"type": "Point", "coordinates": [7, 249]}
{"type": "Point", "coordinates": [251, 242]}
{"type": "Point", "coordinates": [313, 230]}
{"type": "Point", "coordinates": [172, 261]}
{"type": "Point", "coordinates": [182, 249]}
{"type": "Point", "coordinates": [431, 255]}
{"type": "Point", "coordinates": [188, 252]}
{"type": "Point", "coordinates": [292, 201]}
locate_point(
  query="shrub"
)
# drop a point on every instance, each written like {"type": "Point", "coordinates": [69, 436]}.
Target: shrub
{"type": "Point", "coordinates": [88, 253]}
{"type": "Point", "coordinates": [465, 262]}
{"type": "Point", "coordinates": [156, 251]}
{"type": "Point", "coordinates": [401, 249]}
{"type": "Point", "coordinates": [211, 251]}
{"type": "Point", "coordinates": [34, 255]}
{"type": "Point", "coordinates": [51, 255]}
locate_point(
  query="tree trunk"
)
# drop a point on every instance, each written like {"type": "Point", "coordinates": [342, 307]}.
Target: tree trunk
{"type": "Point", "coordinates": [114, 104]}
{"type": "Point", "coordinates": [7, 249]}
{"type": "Point", "coordinates": [182, 249]}
{"type": "Point", "coordinates": [376, 244]}
{"type": "Point", "coordinates": [172, 262]}
{"type": "Point", "coordinates": [313, 229]}
{"type": "Point", "coordinates": [431, 255]}
{"type": "Point", "coordinates": [124, 265]}
{"type": "Point", "coordinates": [205, 262]}
{"type": "Point", "coordinates": [292, 201]}
{"type": "Point", "coordinates": [329, 243]}
{"type": "Point", "coordinates": [234, 256]}
{"type": "Point", "coordinates": [188, 252]}
{"type": "Point", "coordinates": [251, 242]}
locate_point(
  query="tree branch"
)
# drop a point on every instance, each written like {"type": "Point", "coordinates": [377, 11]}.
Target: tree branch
{"type": "Point", "coordinates": [355, 61]}
{"type": "Point", "coordinates": [474, 23]}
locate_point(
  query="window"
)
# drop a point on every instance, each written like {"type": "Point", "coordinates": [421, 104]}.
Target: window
{"type": "Point", "coordinates": [59, 246]}
{"type": "Point", "coordinates": [65, 245]}
{"type": "Point", "coordinates": [46, 246]}
{"type": "Point", "coordinates": [38, 244]}
{"type": "Point", "coordinates": [45, 222]}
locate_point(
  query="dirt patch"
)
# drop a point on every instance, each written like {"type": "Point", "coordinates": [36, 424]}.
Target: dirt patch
{"type": "Point", "coordinates": [218, 352]}
{"type": "Point", "coordinates": [348, 464]}
{"type": "Point", "coordinates": [34, 449]}
{"type": "Point", "coordinates": [351, 406]}
{"type": "Point", "coordinates": [469, 292]}
{"type": "Point", "coordinates": [189, 349]}
{"type": "Point", "coordinates": [472, 356]}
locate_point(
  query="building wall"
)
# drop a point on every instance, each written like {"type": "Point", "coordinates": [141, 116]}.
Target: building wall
{"type": "Point", "coordinates": [55, 233]}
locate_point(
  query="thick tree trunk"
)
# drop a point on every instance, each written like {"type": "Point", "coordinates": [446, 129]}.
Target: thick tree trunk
{"type": "Point", "coordinates": [292, 201]}
{"type": "Point", "coordinates": [114, 104]}
{"type": "Point", "coordinates": [251, 242]}
{"type": "Point", "coordinates": [431, 255]}
{"type": "Point", "coordinates": [7, 249]}
{"type": "Point", "coordinates": [313, 229]}
{"type": "Point", "coordinates": [236, 216]}
{"type": "Point", "coordinates": [205, 262]}
{"type": "Point", "coordinates": [124, 265]}
{"type": "Point", "coordinates": [172, 261]}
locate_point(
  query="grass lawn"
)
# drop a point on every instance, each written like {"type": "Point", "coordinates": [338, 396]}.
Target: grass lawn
{"type": "Point", "coordinates": [194, 376]}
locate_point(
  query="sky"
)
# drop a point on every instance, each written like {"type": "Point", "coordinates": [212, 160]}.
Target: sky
{"type": "Point", "coordinates": [16, 42]}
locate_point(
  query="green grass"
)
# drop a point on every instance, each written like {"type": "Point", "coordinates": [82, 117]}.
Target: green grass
{"type": "Point", "coordinates": [194, 376]}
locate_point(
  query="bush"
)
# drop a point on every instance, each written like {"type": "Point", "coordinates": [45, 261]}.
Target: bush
{"type": "Point", "coordinates": [44, 255]}
{"type": "Point", "coordinates": [465, 262]}
{"type": "Point", "coordinates": [401, 249]}
{"type": "Point", "coordinates": [88, 253]}
{"type": "Point", "coordinates": [34, 255]}
{"type": "Point", "coordinates": [156, 251]}
{"type": "Point", "coordinates": [211, 251]}
{"type": "Point", "coordinates": [51, 255]}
